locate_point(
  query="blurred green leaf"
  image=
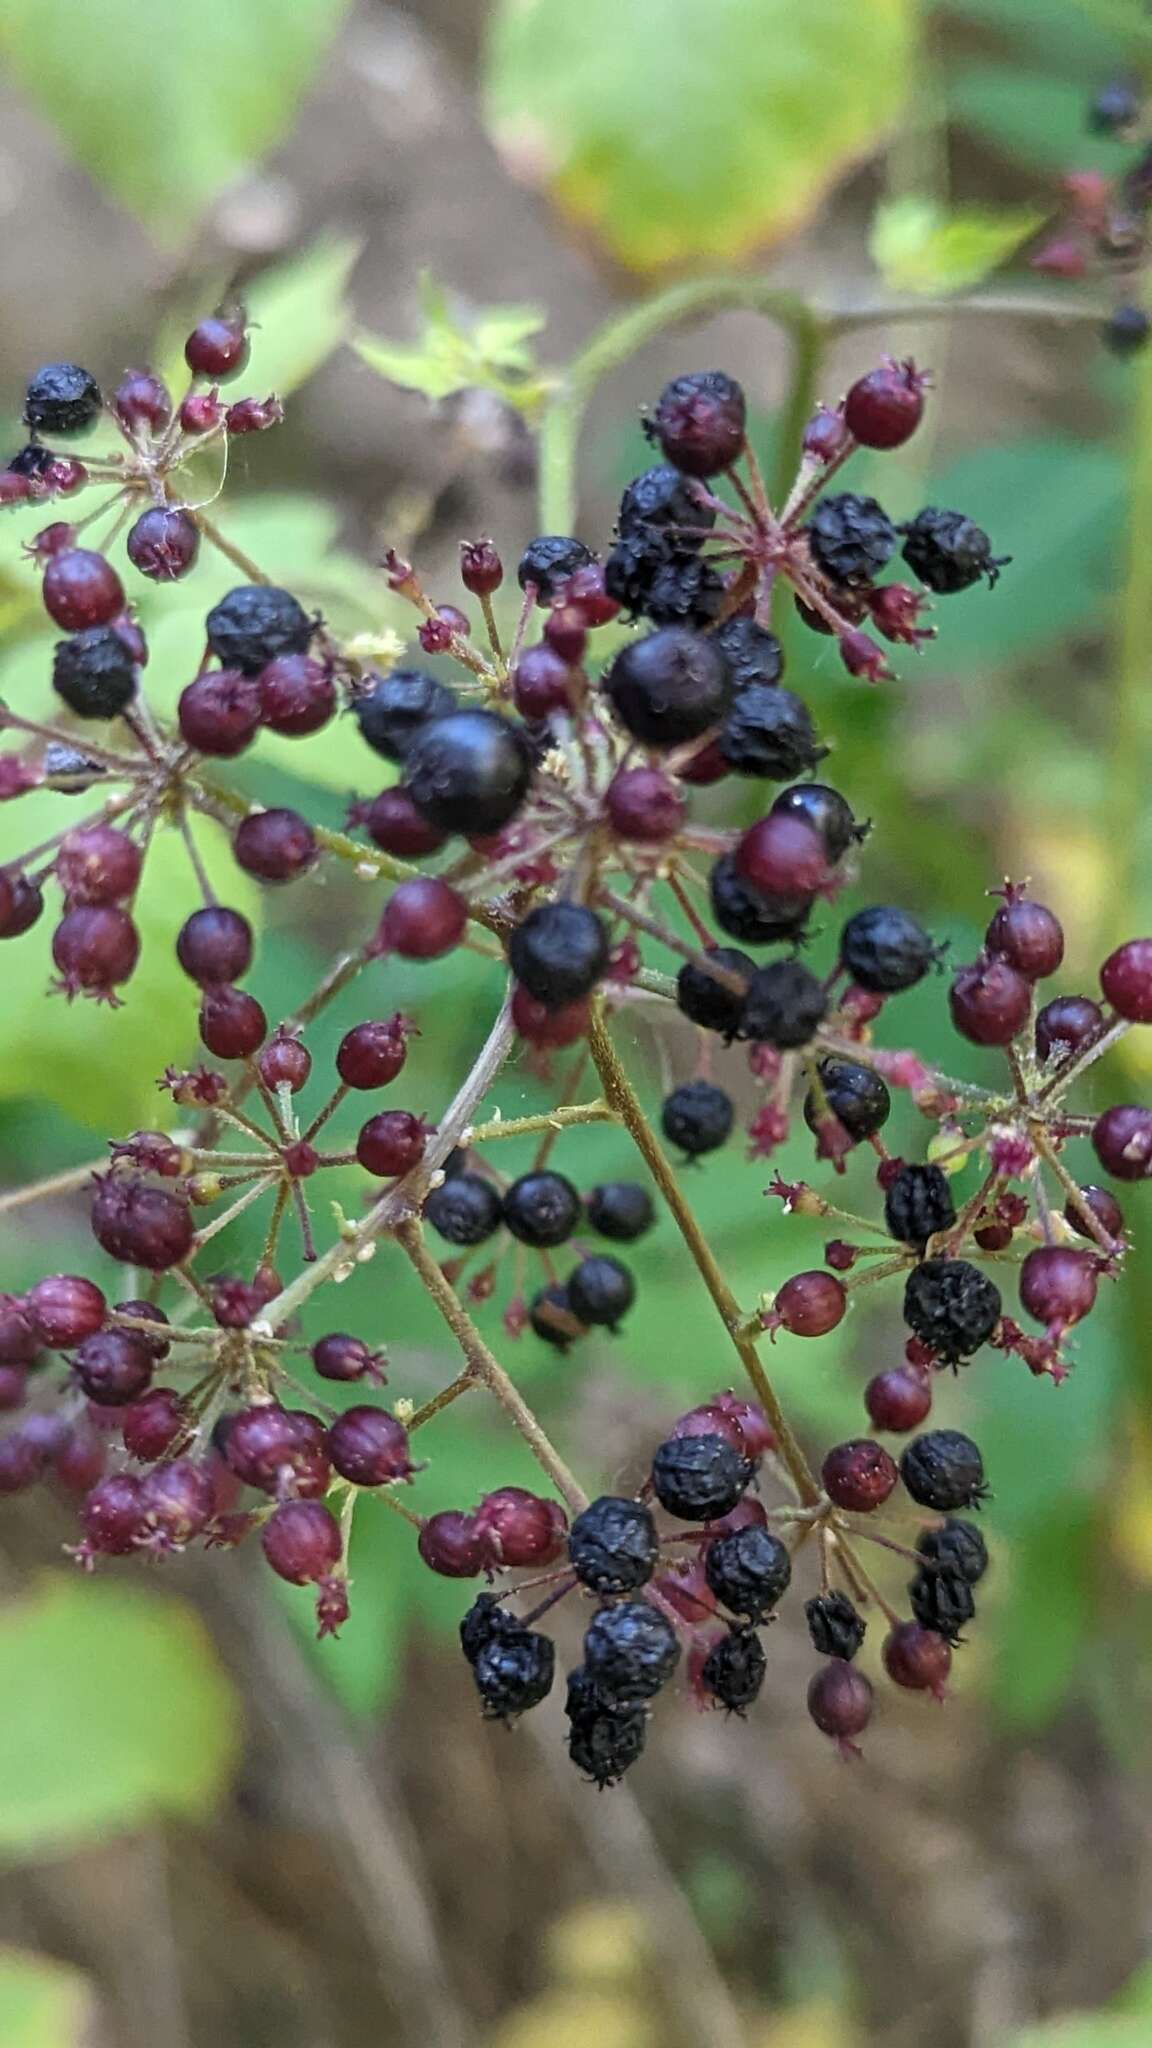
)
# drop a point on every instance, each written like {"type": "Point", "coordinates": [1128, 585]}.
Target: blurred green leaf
{"type": "Point", "coordinates": [920, 247]}
{"type": "Point", "coordinates": [122, 1713]}
{"type": "Point", "coordinates": [166, 110]}
{"type": "Point", "coordinates": [1032, 116]}
{"type": "Point", "coordinates": [1070, 33]}
{"type": "Point", "coordinates": [464, 349]}
{"type": "Point", "coordinates": [43, 2004]}
{"type": "Point", "coordinates": [1086, 2030]}
{"type": "Point", "coordinates": [724, 134]}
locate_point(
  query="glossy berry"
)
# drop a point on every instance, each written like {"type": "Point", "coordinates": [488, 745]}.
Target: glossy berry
{"type": "Point", "coordinates": [748, 915]}
{"type": "Point", "coordinates": [1126, 331]}
{"type": "Point", "coordinates": [612, 1545]}
{"type": "Point", "coordinates": [855, 1095]}
{"type": "Point", "coordinates": [1058, 1284]}
{"type": "Point", "coordinates": [142, 1225]}
{"type": "Point", "coordinates": [942, 1600]}
{"type": "Point", "coordinates": [918, 1203]}
{"type": "Point", "coordinates": [783, 855]}
{"type": "Point", "coordinates": [275, 845]}
{"type": "Point", "coordinates": [81, 589]}
{"type": "Point", "coordinates": [468, 772]}
{"type": "Point", "coordinates": [163, 543]}
{"type": "Point", "coordinates": [644, 806]}
{"type": "Point", "coordinates": [956, 1546]}
{"type": "Point", "coordinates": [768, 731]}
{"type": "Point", "coordinates": [177, 1501]}
{"type": "Point", "coordinates": [280, 1451]}
{"type": "Point", "coordinates": [95, 948]}
{"type": "Point", "coordinates": [884, 408]}
{"type": "Point", "coordinates": [697, 1117]}
{"type": "Point", "coordinates": [898, 1400]}
{"type": "Point", "coordinates": [699, 422]}
{"type": "Point", "coordinates": [369, 1447]}
{"type": "Point", "coordinates": [254, 624]}
{"type": "Point", "coordinates": [393, 823]}
{"type": "Point", "coordinates": [153, 1424]}
{"type": "Point", "coordinates": [917, 1658]}
{"type": "Point", "coordinates": [748, 1570]}
{"type": "Point", "coordinates": [98, 864]}
{"type": "Point", "coordinates": [668, 687]}
{"type": "Point", "coordinates": [630, 1651]}
{"type": "Point", "coordinates": [990, 1001]}
{"type": "Point", "coordinates": [851, 538]}
{"type": "Point", "coordinates": [514, 1672]}
{"type": "Point", "coordinates": [113, 1518]}
{"type": "Point", "coordinates": [834, 1625]}
{"type": "Point", "coordinates": [95, 673]}
{"type": "Point", "coordinates": [285, 1062]}
{"type": "Point", "coordinates": [943, 1470]}
{"type": "Point", "coordinates": [450, 1545]}
{"type": "Point", "coordinates": [948, 551]}
{"type": "Point", "coordinates": [548, 561]}
{"type": "Point", "coordinates": [63, 1309]}
{"type": "Point", "coordinates": [699, 1478]}
{"type": "Point", "coordinates": [301, 1542]}
{"type": "Point", "coordinates": [62, 399]}
{"type": "Point", "coordinates": [601, 1290]}
{"type": "Point", "coordinates": [520, 1529]}
{"type": "Point", "coordinates": [1126, 979]}
{"type": "Point", "coordinates": [217, 348]}
{"type": "Point", "coordinates": [858, 1475]}
{"type": "Point", "coordinates": [215, 945]}
{"type": "Point", "coordinates": [709, 1002]}
{"type": "Point", "coordinates": [1029, 936]}
{"type": "Point", "coordinates": [885, 950]}
{"type": "Point", "coordinates": [541, 1209]}
{"type": "Point", "coordinates": [391, 1143]}
{"type": "Point", "coordinates": [551, 1316]}
{"type": "Point", "coordinates": [542, 682]}
{"type": "Point", "coordinates": [232, 1023]}
{"type": "Point", "coordinates": [559, 952]}
{"type": "Point", "coordinates": [1122, 1141]}
{"type": "Point", "coordinates": [219, 713]}
{"type": "Point", "coordinates": [481, 570]}
{"type": "Point", "coordinates": [734, 1670]}
{"type": "Point", "coordinates": [423, 919]}
{"type": "Point", "coordinates": [399, 706]}
{"type": "Point", "coordinates": [142, 400]}
{"type": "Point", "coordinates": [465, 1210]}
{"type": "Point", "coordinates": [951, 1306]}
{"type": "Point", "coordinates": [840, 1701]}
{"type": "Point", "coordinates": [753, 654]}
{"type": "Point", "coordinates": [810, 1304]}
{"type": "Point", "coordinates": [21, 904]}
{"type": "Point", "coordinates": [1103, 1206]}
{"type": "Point", "coordinates": [621, 1210]}
{"type": "Point", "coordinates": [549, 1029]}
{"type": "Point", "coordinates": [341, 1357]}
{"type": "Point", "coordinates": [297, 695]}
{"type": "Point", "coordinates": [784, 1006]}
{"type": "Point", "coordinates": [602, 1743]}
{"type": "Point", "coordinates": [373, 1053]}
{"type": "Point", "coordinates": [113, 1367]}
{"type": "Point", "coordinates": [1066, 1025]}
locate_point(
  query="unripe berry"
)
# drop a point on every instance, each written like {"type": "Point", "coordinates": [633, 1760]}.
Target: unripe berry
{"type": "Point", "coordinates": [219, 713]}
{"type": "Point", "coordinates": [214, 945]}
{"type": "Point", "coordinates": [840, 1700]}
{"type": "Point", "coordinates": [422, 919]}
{"type": "Point", "coordinates": [1104, 1207]}
{"type": "Point", "coordinates": [1126, 979]}
{"type": "Point", "coordinates": [141, 400]}
{"type": "Point", "coordinates": [393, 823]}
{"type": "Point", "coordinates": [95, 948]}
{"type": "Point", "coordinates": [898, 1400]}
{"type": "Point", "coordinates": [545, 1028]}
{"type": "Point", "coordinates": [341, 1357]}
{"type": "Point", "coordinates": [542, 682]}
{"type": "Point", "coordinates": [297, 695]}
{"type": "Point", "coordinates": [201, 412]}
{"type": "Point", "coordinates": [917, 1658]}
{"type": "Point", "coordinates": [450, 1544]}
{"type": "Point", "coordinates": [113, 1517]}
{"type": "Point", "coordinates": [644, 805]}
{"type": "Point", "coordinates": [391, 1143]}
{"type": "Point", "coordinates": [232, 1023]}
{"type": "Point", "coordinates": [154, 1423]}
{"type": "Point", "coordinates": [369, 1447]}
{"type": "Point", "coordinates": [81, 589]}
{"type": "Point", "coordinates": [301, 1542]}
{"type": "Point", "coordinates": [884, 408]}
{"type": "Point", "coordinates": [64, 1308]}
{"type": "Point", "coordinates": [990, 1002]}
{"type": "Point", "coordinates": [276, 845]}
{"type": "Point", "coordinates": [810, 1304]}
{"type": "Point", "coordinates": [1066, 1025]}
{"type": "Point", "coordinates": [372, 1054]}
{"type": "Point", "coordinates": [113, 1368]}
{"type": "Point", "coordinates": [1122, 1138]}
{"type": "Point", "coordinates": [164, 543]}
{"type": "Point", "coordinates": [481, 570]}
{"type": "Point", "coordinates": [1058, 1285]}
{"type": "Point", "coordinates": [858, 1475]}
{"type": "Point", "coordinates": [217, 348]}
{"type": "Point", "coordinates": [1027, 935]}
{"type": "Point", "coordinates": [518, 1528]}
{"type": "Point", "coordinates": [781, 855]}
{"type": "Point", "coordinates": [142, 1225]}
{"type": "Point", "coordinates": [98, 864]}
{"type": "Point", "coordinates": [699, 422]}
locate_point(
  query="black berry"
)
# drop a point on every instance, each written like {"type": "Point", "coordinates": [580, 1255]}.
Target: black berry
{"type": "Point", "coordinates": [748, 1570]}
{"type": "Point", "coordinates": [948, 551]}
{"type": "Point", "coordinates": [829, 814]}
{"type": "Point", "coordinates": [468, 772]}
{"type": "Point", "coordinates": [513, 1672]}
{"type": "Point", "coordinates": [669, 687]}
{"type": "Point", "coordinates": [768, 731]}
{"type": "Point", "coordinates": [942, 1600]}
{"type": "Point", "coordinates": [621, 1210]}
{"type": "Point", "coordinates": [784, 1005]}
{"type": "Point", "coordinates": [602, 1744]}
{"type": "Point", "coordinates": [1126, 331]}
{"type": "Point", "coordinates": [753, 654]}
{"type": "Point", "coordinates": [255, 623]}
{"type": "Point", "coordinates": [541, 1209]}
{"type": "Point", "coordinates": [464, 1210]}
{"type": "Point", "coordinates": [943, 1470]}
{"type": "Point", "coordinates": [94, 673]}
{"type": "Point", "coordinates": [835, 1627]}
{"type": "Point", "coordinates": [558, 953]}
{"type": "Point", "coordinates": [484, 1623]}
{"type": "Point", "coordinates": [951, 1306]}
{"type": "Point", "coordinates": [734, 1670]}
{"type": "Point", "coordinates": [551, 1316]}
{"type": "Point", "coordinates": [699, 1478]}
{"type": "Point", "coordinates": [399, 706]}
{"type": "Point", "coordinates": [885, 950]}
{"type": "Point", "coordinates": [601, 1290]}
{"type": "Point", "coordinates": [745, 913]}
{"type": "Point", "coordinates": [697, 1117]}
{"type": "Point", "coordinates": [62, 398]}
{"type": "Point", "coordinates": [856, 1096]}
{"type": "Point", "coordinates": [957, 1547]}
{"type": "Point", "coordinates": [918, 1202]}
{"type": "Point", "coordinates": [630, 1651]}
{"type": "Point", "coordinates": [612, 1545]}
{"type": "Point", "coordinates": [851, 538]}
{"type": "Point", "coordinates": [709, 1002]}
{"type": "Point", "coordinates": [549, 561]}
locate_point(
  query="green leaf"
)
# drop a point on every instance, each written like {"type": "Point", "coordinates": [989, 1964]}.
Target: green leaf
{"type": "Point", "coordinates": [165, 110]}
{"type": "Point", "coordinates": [1032, 116]}
{"type": "Point", "coordinates": [122, 1713]}
{"type": "Point", "coordinates": [463, 349]}
{"type": "Point", "coordinates": [43, 2004]}
{"type": "Point", "coordinates": [920, 247]}
{"type": "Point", "coordinates": [677, 134]}
{"type": "Point", "coordinates": [1085, 2030]}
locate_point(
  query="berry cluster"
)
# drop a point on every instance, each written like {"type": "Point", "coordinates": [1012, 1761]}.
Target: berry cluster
{"type": "Point", "coordinates": [1103, 224]}
{"type": "Point", "coordinates": [540, 810]}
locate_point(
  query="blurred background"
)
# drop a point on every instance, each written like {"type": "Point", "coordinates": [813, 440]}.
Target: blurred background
{"type": "Point", "coordinates": [212, 1830]}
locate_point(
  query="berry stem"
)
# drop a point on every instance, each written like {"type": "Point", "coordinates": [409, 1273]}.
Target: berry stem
{"type": "Point", "coordinates": [548, 1120]}
{"type": "Point", "coordinates": [249, 569]}
{"type": "Point", "coordinates": [65, 1183]}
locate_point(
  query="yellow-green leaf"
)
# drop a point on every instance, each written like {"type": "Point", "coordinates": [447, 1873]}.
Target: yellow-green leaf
{"type": "Point", "coordinates": [463, 349]}
{"type": "Point", "coordinates": [920, 247]}
{"type": "Point", "coordinates": [43, 2004]}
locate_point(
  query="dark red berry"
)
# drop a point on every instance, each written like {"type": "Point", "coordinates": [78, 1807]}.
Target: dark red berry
{"type": "Point", "coordinates": [898, 1400]}
{"type": "Point", "coordinates": [1029, 936]}
{"type": "Point", "coordinates": [1058, 1284]}
{"type": "Point", "coordinates": [95, 947]}
{"type": "Point", "coordinates": [154, 1423]}
{"type": "Point", "coordinates": [277, 845]}
{"type": "Point", "coordinates": [858, 1475]}
{"type": "Point", "coordinates": [1122, 1139]}
{"type": "Point", "coordinates": [65, 1308]}
{"type": "Point", "coordinates": [884, 408]}
{"type": "Point", "coordinates": [201, 412]}
{"type": "Point", "coordinates": [98, 864]}
{"type": "Point", "coordinates": [393, 823]}
{"type": "Point", "coordinates": [549, 1029]}
{"type": "Point", "coordinates": [481, 570]}
{"type": "Point", "coordinates": [391, 1143]}
{"type": "Point", "coordinates": [422, 919]}
{"type": "Point", "coordinates": [372, 1054]}
{"type": "Point", "coordinates": [232, 1023]}
{"type": "Point", "coordinates": [644, 805]}
{"type": "Point", "coordinates": [254, 415]}
{"type": "Point", "coordinates": [82, 589]}
{"type": "Point", "coordinates": [215, 945]}
{"type": "Point", "coordinates": [297, 695]}
{"type": "Point", "coordinates": [369, 1447]}
{"type": "Point", "coordinates": [301, 1542]}
{"type": "Point", "coordinates": [142, 1225]}
{"type": "Point", "coordinates": [825, 436]}
{"type": "Point", "coordinates": [450, 1544]}
{"type": "Point", "coordinates": [113, 1516]}
{"type": "Point", "coordinates": [810, 1304]}
{"type": "Point", "coordinates": [1126, 979]}
{"type": "Point", "coordinates": [21, 904]}
{"type": "Point", "coordinates": [20, 1338]}
{"type": "Point", "coordinates": [917, 1658]}
{"type": "Point", "coordinates": [518, 1528]}
{"type": "Point", "coordinates": [178, 1500]}
{"type": "Point", "coordinates": [141, 400]}
{"type": "Point", "coordinates": [542, 682]}
{"type": "Point", "coordinates": [990, 1001]}
{"type": "Point", "coordinates": [219, 713]}
{"type": "Point", "coordinates": [277, 1450]}
{"type": "Point", "coordinates": [781, 855]}
{"type": "Point", "coordinates": [840, 1700]}
{"type": "Point", "coordinates": [285, 1061]}
{"type": "Point", "coordinates": [164, 543]}
{"type": "Point", "coordinates": [13, 1387]}
{"type": "Point", "coordinates": [1104, 1207]}
{"type": "Point", "coordinates": [699, 422]}
{"type": "Point", "coordinates": [217, 347]}
{"type": "Point", "coordinates": [113, 1367]}
{"type": "Point", "coordinates": [341, 1357]}
{"type": "Point", "coordinates": [1066, 1025]}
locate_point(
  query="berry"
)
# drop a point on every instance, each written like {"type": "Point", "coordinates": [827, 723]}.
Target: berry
{"type": "Point", "coordinates": [481, 570]}
{"type": "Point", "coordinates": [768, 731]}
{"type": "Point", "coordinates": [372, 1054]}
{"type": "Point", "coordinates": [824, 438]}
{"type": "Point", "coordinates": [21, 904]}
{"type": "Point", "coordinates": [951, 1307]}
{"type": "Point", "coordinates": [1104, 1207]}
{"type": "Point", "coordinates": [918, 1203]}
{"type": "Point", "coordinates": [1118, 105]}
{"type": "Point", "coordinates": [95, 947]}
{"type": "Point", "coordinates": [519, 1528]}
{"type": "Point", "coordinates": [612, 1545]}
{"type": "Point", "coordinates": [676, 591]}
{"type": "Point", "coordinates": [214, 945]}
{"type": "Point", "coordinates": [276, 845]}
{"type": "Point", "coordinates": [285, 1062]}
{"type": "Point", "coordinates": [301, 1542]}
{"type": "Point", "coordinates": [219, 713]}
{"type": "Point", "coordinates": [943, 1601]}
{"type": "Point", "coordinates": [558, 953]}
{"type": "Point", "coordinates": [744, 913]}
{"type": "Point", "coordinates": [399, 706]}
{"type": "Point", "coordinates": [917, 1658]}
{"type": "Point", "coordinates": [1126, 979]}
{"type": "Point", "coordinates": [164, 543]}
{"type": "Point", "coordinates": [20, 1338]}
{"type": "Point", "coordinates": [280, 1451]}
{"type": "Point", "coordinates": [548, 561]}
{"type": "Point", "coordinates": [551, 1317]}
{"type": "Point", "coordinates": [154, 1423]}
{"type": "Point", "coordinates": [483, 1623]}
{"type": "Point", "coordinates": [391, 1143]}
{"type": "Point", "coordinates": [990, 1002]}
{"type": "Point", "coordinates": [1058, 1285]}
{"type": "Point", "coordinates": [254, 624]}
{"type": "Point", "coordinates": [782, 855]}
{"type": "Point", "coordinates": [232, 1024]}
{"type": "Point", "coordinates": [630, 1651]}
{"type": "Point", "coordinates": [697, 1117]}
{"type": "Point", "coordinates": [513, 1672]}
{"type": "Point", "coordinates": [113, 1367]}
{"type": "Point", "coordinates": [177, 1501]}
{"type": "Point", "coordinates": [541, 1209]}
{"type": "Point", "coordinates": [949, 552]}
{"type": "Point", "coordinates": [62, 1309]}
{"type": "Point", "coordinates": [32, 461]}
{"type": "Point", "coordinates": [644, 805]}
{"type": "Point", "coordinates": [450, 1544]}
{"type": "Point", "coordinates": [621, 1210]}
{"type": "Point", "coordinates": [1066, 1025]}
{"type": "Point", "coordinates": [885, 950]}
{"type": "Point", "coordinates": [747, 1426]}
{"type": "Point", "coordinates": [784, 1005]}
{"type": "Point", "coordinates": [217, 348]}
{"type": "Point", "coordinates": [659, 499]}
{"type": "Point", "coordinates": [142, 1225]}
{"type": "Point", "coordinates": [810, 1304]}
{"type": "Point", "coordinates": [468, 772]}
{"type": "Point", "coordinates": [699, 422]}
{"type": "Point", "coordinates": [113, 1517]}
{"type": "Point", "coordinates": [341, 1357]}
{"type": "Point", "coordinates": [297, 695]}
{"type": "Point", "coordinates": [422, 919]}
{"type": "Point", "coordinates": [753, 654]}
{"type": "Point", "coordinates": [708, 1002]}
{"type": "Point", "coordinates": [546, 1028]}
{"type": "Point", "coordinates": [369, 1447]}
{"type": "Point", "coordinates": [851, 538]}
{"type": "Point", "coordinates": [95, 673]}
{"type": "Point", "coordinates": [699, 1478]}
{"type": "Point", "coordinates": [1122, 1140]}
{"type": "Point", "coordinates": [958, 1547]}
{"type": "Point", "coordinates": [393, 823]}
{"type": "Point", "coordinates": [81, 589]}
{"type": "Point", "coordinates": [943, 1470]}
{"type": "Point", "coordinates": [601, 1290]}
{"type": "Point", "coordinates": [542, 682]}
{"type": "Point", "coordinates": [840, 1701]}
{"type": "Point", "coordinates": [602, 1744]}
{"type": "Point", "coordinates": [734, 1670]}
{"type": "Point", "coordinates": [858, 1475]}
{"type": "Point", "coordinates": [62, 399]}
{"type": "Point", "coordinates": [835, 1627]}
{"type": "Point", "coordinates": [748, 1570]}
{"type": "Point", "coordinates": [97, 864]}
{"type": "Point", "coordinates": [465, 1210]}
{"type": "Point", "coordinates": [142, 400]}
{"type": "Point", "coordinates": [669, 686]}
{"type": "Point", "coordinates": [884, 408]}
{"type": "Point", "coordinates": [1126, 331]}
{"type": "Point", "coordinates": [898, 1400]}
{"type": "Point", "coordinates": [855, 1095]}
{"type": "Point", "coordinates": [1030, 937]}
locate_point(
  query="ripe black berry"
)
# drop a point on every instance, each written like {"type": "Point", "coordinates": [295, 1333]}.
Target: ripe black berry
{"type": "Point", "coordinates": [709, 1002]}
{"type": "Point", "coordinates": [835, 1627]}
{"type": "Point", "coordinates": [943, 1601]}
{"type": "Point", "coordinates": [659, 499]}
{"type": "Point", "coordinates": [918, 1203]}
{"type": "Point", "coordinates": [612, 1545]}
{"type": "Point", "coordinates": [1126, 331]}
{"type": "Point", "coordinates": [484, 1623]}
{"type": "Point", "coordinates": [851, 538]}
{"type": "Point", "coordinates": [745, 913]}
{"type": "Point", "coordinates": [885, 950]}
{"type": "Point", "coordinates": [784, 1005]}
{"type": "Point", "coordinates": [948, 551]}
{"type": "Point", "coordinates": [957, 1547]}
{"type": "Point", "coordinates": [621, 1210]}
{"type": "Point", "coordinates": [255, 623]}
{"type": "Point", "coordinates": [551, 1316]}
{"type": "Point", "coordinates": [601, 1743]}
{"type": "Point", "coordinates": [465, 1210]}
{"type": "Point", "coordinates": [697, 1117]}
{"type": "Point", "coordinates": [680, 591]}
{"type": "Point", "coordinates": [951, 1306]}
{"type": "Point", "coordinates": [468, 772]}
{"type": "Point", "coordinates": [699, 422]}
{"type": "Point", "coordinates": [699, 1478]}
{"type": "Point", "coordinates": [768, 731]}
{"type": "Point", "coordinates": [541, 1209]}
{"type": "Point", "coordinates": [753, 654]}
{"type": "Point", "coordinates": [856, 1096]}
{"type": "Point", "coordinates": [943, 1470]}
{"type": "Point", "coordinates": [748, 1570]}
{"type": "Point", "coordinates": [397, 707]}
{"type": "Point", "coordinates": [829, 813]}
{"type": "Point", "coordinates": [548, 562]}
{"type": "Point", "coordinates": [630, 1651]}
{"type": "Point", "coordinates": [734, 1670]}
{"type": "Point", "coordinates": [601, 1290]}
{"type": "Point", "coordinates": [62, 398]}
{"type": "Point", "coordinates": [669, 687]}
{"type": "Point", "coordinates": [558, 953]}
{"type": "Point", "coordinates": [94, 673]}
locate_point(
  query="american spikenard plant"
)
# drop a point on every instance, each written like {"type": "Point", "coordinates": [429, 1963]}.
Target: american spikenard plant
{"type": "Point", "coordinates": [539, 811]}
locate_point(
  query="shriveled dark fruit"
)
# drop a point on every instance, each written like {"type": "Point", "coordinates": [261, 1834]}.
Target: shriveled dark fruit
{"type": "Point", "coordinates": [836, 1629]}
{"type": "Point", "coordinates": [601, 1743]}
{"type": "Point", "coordinates": [851, 538]}
{"type": "Point", "coordinates": [918, 1203]}
{"type": "Point", "coordinates": [514, 1672]}
{"type": "Point", "coordinates": [958, 1547]}
{"type": "Point", "coordinates": [943, 1470]}
{"type": "Point", "coordinates": [630, 1651]}
{"type": "Point", "coordinates": [768, 731]}
{"type": "Point", "coordinates": [942, 1600]}
{"type": "Point", "coordinates": [948, 551]}
{"type": "Point", "coordinates": [254, 623]}
{"type": "Point", "coordinates": [549, 561]}
{"type": "Point", "coordinates": [699, 1478]}
{"type": "Point", "coordinates": [951, 1306]}
{"type": "Point", "coordinates": [612, 1545]}
{"type": "Point", "coordinates": [784, 1005]}
{"type": "Point", "coordinates": [753, 654]}
{"type": "Point", "coordinates": [734, 1670]}
{"type": "Point", "coordinates": [749, 1570]}
{"type": "Point", "coordinates": [399, 706]}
